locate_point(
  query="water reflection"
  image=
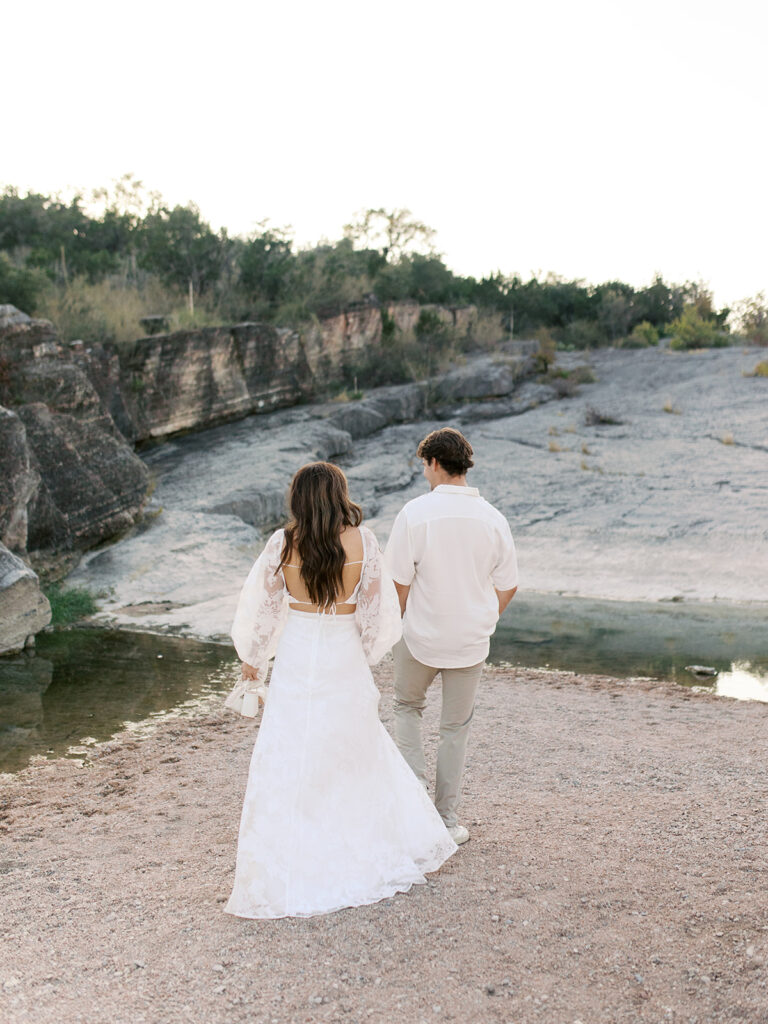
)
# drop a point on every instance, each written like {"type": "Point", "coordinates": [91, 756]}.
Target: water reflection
{"type": "Point", "coordinates": [743, 682]}
{"type": "Point", "coordinates": [82, 686]}
{"type": "Point", "coordinates": [619, 638]}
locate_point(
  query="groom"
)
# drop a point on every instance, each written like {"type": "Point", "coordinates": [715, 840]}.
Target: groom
{"type": "Point", "coordinates": [453, 560]}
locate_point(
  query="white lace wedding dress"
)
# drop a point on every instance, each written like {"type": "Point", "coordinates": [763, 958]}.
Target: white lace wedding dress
{"type": "Point", "coordinates": [333, 816]}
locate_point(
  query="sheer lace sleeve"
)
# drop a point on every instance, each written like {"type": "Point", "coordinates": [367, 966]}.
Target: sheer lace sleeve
{"type": "Point", "coordinates": [378, 609]}
{"type": "Point", "coordinates": [262, 609]}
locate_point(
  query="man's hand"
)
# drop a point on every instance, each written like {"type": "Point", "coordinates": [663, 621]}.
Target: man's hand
{"type": "Point", "coordinates": [402, 593]}
{"type": "Point", "coordinates": [249, 672]}
{"type": "Point", "coordinates": [504, 596]}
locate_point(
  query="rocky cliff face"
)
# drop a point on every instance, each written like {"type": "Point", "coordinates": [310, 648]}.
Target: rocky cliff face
{"type": "Point", "coordinates": [189, 380]}
{"type": "Point", "coordinates": [193, 379]}
{"type": "Point", "coordinates": [68, 478]}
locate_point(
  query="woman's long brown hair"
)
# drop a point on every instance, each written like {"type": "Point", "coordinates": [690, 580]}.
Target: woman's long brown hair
{"type": "Point", "coordinates": [320, 507]}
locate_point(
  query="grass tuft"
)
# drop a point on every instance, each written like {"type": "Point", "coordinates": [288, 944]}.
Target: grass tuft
{"type": "Point", "coordinates": [70, 605]}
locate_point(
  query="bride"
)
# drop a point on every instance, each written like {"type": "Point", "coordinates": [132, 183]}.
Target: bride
{"type": "Point", "coordinates": [333, 816]}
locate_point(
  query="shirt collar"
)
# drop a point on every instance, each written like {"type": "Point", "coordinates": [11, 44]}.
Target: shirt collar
{"type": "Point", "coordinates": [470, 492]}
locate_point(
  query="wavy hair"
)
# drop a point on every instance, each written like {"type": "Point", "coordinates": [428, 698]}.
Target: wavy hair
{"type": "Point", "coordinates": [320, 507]}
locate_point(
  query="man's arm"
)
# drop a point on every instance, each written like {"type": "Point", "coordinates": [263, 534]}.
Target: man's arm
{"type": "Point", "coordinates": [402, 593]}
{"type": "Point", "coordinates": [504, 596]}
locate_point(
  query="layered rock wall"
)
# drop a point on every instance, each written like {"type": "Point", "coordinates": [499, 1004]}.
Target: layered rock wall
{"type": "Point", "coordinates": [193, 379]}
{"type": "Point", "coordinates": [68, 477]}
{"type": "Point", "coordinates": [188, 380]}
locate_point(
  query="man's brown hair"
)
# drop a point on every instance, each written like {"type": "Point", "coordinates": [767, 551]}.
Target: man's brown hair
{"type": "Point", "coordinates": [449, 448]}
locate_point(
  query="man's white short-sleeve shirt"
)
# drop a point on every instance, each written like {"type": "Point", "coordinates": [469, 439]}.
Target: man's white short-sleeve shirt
{"type": "Point", "coordinates": [454, 550]}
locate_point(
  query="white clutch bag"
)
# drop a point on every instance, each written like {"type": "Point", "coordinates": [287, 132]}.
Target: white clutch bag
{"type": "Point", "coordinates": [244, 698]}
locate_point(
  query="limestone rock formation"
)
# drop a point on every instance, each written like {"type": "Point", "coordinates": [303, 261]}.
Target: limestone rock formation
{"type": "Point", "coordinates": [68, 478]}
{"type": "Point", "coordinates": [385, 406]}
{"type": "Point", "coordinates": [492, 377]}
{"type": "Point", "coordinates": [193, 379]}
{"type": "Point", "coordinates": [24, 609]}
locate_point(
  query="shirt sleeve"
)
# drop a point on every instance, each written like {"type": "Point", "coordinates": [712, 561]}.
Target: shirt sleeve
{"type": "Point", "coordinates": [504, 575]}
{"type": "Point", "coordinates": [378, 609]}
{"type": "Point", "coordinates": [262, 608]}
{"type": "Point", "coordinates": [398, 557]}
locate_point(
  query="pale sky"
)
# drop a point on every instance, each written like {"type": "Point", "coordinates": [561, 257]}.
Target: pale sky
{"type": "Point", "coordinates": [598, 140]}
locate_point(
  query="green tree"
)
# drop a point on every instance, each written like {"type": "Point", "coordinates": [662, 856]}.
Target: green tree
{"type": "Point", "coordinates": [659, 303]}
{"type": "Point", "coordinates": [752, 319]}
{"type": "Point", "coordinates": [181, 248]}
{"type": "Point", "coordinates": [266, 262]}
{"type": "Point", "coordinates": [614, 312]}
{"type": "Point", "coordinates": [425, 278]}
{"type": "Point", "coordinates": [393, 232]}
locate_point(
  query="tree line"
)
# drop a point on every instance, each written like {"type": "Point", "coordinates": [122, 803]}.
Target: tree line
{"type": "Point", "coordinates": [95, 264]}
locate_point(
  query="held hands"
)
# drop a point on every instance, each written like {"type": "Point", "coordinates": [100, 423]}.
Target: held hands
{"type": "Point", "coordinates": [249, 672]}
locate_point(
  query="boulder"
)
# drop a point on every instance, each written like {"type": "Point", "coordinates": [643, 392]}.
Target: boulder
{"type": "Point", "coordinates": [68, 478]}
{"type": "Point", "coordinates": [92, 486]}
{"type": "Point", "coordinates": [12, 317]}
{"type": "Point", "coordinates": [24, 609]}
{"type": "Point", "coordinates": [399, 403]}
{"type": "Point", "coordinates": [481, 378]}
{"type": "Point", "coordinates": [359, 419]}
{"type": "Point", "coordinates": [260, 505]}
{"type": "Point", "coordinates": [383, 407]}
{"type": "Point", "coordinates": [526, 397]}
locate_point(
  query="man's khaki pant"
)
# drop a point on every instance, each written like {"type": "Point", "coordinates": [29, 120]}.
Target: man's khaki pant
{"type": "Point", "coordinates": [412, 680]}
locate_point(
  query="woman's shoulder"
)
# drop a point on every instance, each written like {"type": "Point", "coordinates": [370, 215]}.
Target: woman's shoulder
{"type": "Point", "coordinates": [368, 537]}
{"type": "Point", "coordinates": [275, 542]}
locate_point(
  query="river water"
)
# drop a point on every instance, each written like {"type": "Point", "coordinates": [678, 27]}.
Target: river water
{"type": "Point", "coordinates": [84, 685]}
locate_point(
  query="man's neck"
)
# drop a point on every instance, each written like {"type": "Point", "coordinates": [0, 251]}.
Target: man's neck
{"type": "Point", "coordinates": [452, 481]}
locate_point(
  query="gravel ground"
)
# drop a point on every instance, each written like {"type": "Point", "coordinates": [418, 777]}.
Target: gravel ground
{"type": "Point", "coordinates": [616, 873]}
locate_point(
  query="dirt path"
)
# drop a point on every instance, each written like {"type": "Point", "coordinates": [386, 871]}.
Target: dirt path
{"type": "Point", "coordinates": [616, 873]}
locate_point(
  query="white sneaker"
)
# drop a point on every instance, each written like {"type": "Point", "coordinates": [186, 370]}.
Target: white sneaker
{"type": "Point", "coordinates": [458, 834]}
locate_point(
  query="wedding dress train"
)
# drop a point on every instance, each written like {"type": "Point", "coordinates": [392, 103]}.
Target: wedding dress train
{"type": "Point", "coordinates": [333, 816]}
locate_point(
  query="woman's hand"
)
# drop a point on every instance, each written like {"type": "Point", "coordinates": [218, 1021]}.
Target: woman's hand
{"type": "Point", "coordinates": [249, 672]}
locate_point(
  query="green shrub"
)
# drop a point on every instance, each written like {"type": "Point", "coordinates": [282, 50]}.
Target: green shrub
{"type": "Point", "coordinates": [692, 330]}
{"type": "Point", "coordinates": [761, 370]}
{"type": "Point", "coordinates": [69, 605]}
{"type": "Point", "coordinates": [643, 335]}
{"type": "Point", "coordinates": [580, 334]}
{"type": "Point", "coordinates": [388, 327]}
{"type": "Point", "coordinates": [545, 356]}
{"type": "Point", "coordinates": [20, 286]}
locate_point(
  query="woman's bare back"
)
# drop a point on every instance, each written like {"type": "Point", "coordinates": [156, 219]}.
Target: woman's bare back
{"type": "Point", "coordinates": [352, 542]}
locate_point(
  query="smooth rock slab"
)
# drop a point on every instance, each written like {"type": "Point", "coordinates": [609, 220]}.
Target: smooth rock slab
{"type": "Point", "coordinates": [24, 609]}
